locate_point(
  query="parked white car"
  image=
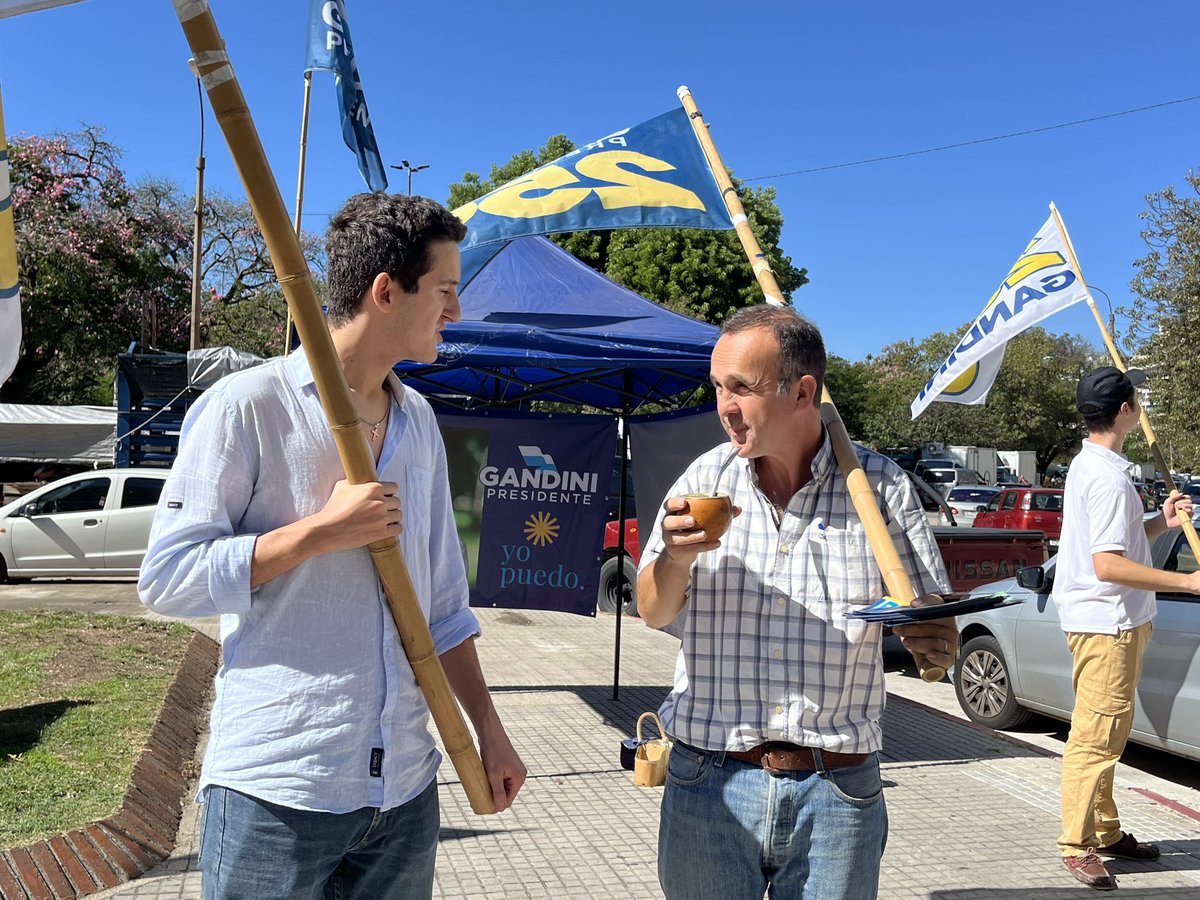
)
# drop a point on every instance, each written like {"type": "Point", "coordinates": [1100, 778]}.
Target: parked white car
{"type": "Point", "coordinates": [92, 523]}
{"type": "Point", "coordinates": [1015, 661]}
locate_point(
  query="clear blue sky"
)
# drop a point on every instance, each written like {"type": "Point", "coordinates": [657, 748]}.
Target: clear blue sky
{"type": "Point", "coordinates": [894, 249]}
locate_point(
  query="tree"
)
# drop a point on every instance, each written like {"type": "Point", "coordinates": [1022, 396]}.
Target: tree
{"type": "Point", "coordinates": [91, 276]}
{"type": "Point", "coordinates": [242, 305]}
{"type": "Point", "coordinates": [104, 263]}
{"type": "Point", "coordinates": [850, 386]}
{"type": "Point", "coordinates": [1165, 319]}
{"type": "Point", "coordinates": [1030, 407]}
{"type": "Point", "coordinates": [703, 274]}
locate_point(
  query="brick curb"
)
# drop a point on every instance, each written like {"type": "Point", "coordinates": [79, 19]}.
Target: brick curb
{"type": "Point", "coordinates": [141, 833]}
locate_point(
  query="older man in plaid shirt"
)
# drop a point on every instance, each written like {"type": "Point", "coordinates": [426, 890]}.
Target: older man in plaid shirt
{"type": "Point", "coordinates": [774, 777]}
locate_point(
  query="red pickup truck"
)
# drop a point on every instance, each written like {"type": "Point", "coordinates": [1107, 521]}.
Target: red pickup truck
{"type": "Point", "coordinates": [1027, 509]}
{"type": "Point", "coordinates": [973, 556]}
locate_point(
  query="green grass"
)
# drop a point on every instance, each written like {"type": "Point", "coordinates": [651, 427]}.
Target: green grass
{"type": "Point", "coordinates": [78, 696]}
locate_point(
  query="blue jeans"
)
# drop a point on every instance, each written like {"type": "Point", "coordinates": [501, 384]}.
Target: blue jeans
{"type": "Point", "coordinates": [254, 850]}
{"type": "Point", "coordinates": [733, 831]}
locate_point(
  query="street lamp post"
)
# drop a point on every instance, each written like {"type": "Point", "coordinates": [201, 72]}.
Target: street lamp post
{"type": "Point", "coordinates": [406, 165]}
{"type": "Point", "coordinates": [198, 227]}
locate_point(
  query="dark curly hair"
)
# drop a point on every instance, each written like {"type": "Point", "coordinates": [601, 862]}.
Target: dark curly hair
{"type": "Point", "coordinates": [801, 348]}
{"type": "Point", "coordinates": [381, 232]}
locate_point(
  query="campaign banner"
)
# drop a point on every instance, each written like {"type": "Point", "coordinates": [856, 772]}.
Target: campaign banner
{"type": "Point", "coordinates": [653, 174]}
{"type": "Point", "coordinates": [531, 501]}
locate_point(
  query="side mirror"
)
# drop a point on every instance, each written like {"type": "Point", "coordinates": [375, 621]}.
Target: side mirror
{"type": "Point", "coordinates": [1033, 578]}
{"type": "Point", "coordinates": [982, 507]}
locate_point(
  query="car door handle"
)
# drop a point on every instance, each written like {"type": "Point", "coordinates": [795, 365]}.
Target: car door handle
{"type": "Point", "coordinates": [90, 523]}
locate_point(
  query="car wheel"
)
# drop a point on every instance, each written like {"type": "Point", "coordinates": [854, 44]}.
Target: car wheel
{"type": "Point", "coordinates": [606, 599]}
{"type": "Point", "coordinates": [984, 686]}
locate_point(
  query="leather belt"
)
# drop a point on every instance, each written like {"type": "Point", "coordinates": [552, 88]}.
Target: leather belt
{"type": "Point", "coordinates": [778, 757]}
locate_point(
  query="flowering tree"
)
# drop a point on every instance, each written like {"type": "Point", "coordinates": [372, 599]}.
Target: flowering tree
{"type": "Point", "coordinates": [92, 275]}
{"type": "Point", "coordinates": [105, 264]}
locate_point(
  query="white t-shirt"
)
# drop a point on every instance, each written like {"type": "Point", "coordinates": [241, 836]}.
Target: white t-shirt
{"type": "Point", "coordinates": [1101, 511]}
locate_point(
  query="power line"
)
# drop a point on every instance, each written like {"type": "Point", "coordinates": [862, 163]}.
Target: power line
{"type": "Point", "coordinates": [987, 140]}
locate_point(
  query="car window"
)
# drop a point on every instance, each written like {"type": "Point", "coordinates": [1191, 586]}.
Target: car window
{"type": "Point", "coordinates": [939, 476]}
{"type": "Point", "coordinates": [994, 503]}
{"type": "Point", "coordinates": [78, 496]}
{"type": "Point", "coordinates": [141, 492]}
{"type": "Point", "coordinates": [1183, 560]}
{"type": "Point", "coordinates": [969, 494]}
{"type": "Point", "coordinates": [1048, 502]}
{"type": "Point", "coordinates": [1009, 499]}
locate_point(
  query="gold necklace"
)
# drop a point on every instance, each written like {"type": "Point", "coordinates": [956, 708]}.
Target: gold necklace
{"type": "Point", "coordinates": [374, 426]}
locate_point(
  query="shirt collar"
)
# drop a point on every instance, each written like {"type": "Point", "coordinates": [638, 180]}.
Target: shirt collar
{"type": "Point", "coordinates": [301, 371]}
{"type": "Point", "coordinates": [1116, 460]}
{"type": "Point", "coordinates": [822, 465]}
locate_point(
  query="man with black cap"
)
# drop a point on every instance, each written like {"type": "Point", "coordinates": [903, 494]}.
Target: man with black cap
{"type": "Point", "coordinates": [1104, 588]}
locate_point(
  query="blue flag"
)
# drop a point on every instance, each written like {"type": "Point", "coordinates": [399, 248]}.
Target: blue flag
{"type": "Point", "coordinates": [329, 48]}
{"type": "Point", "coordinates": [651, 175]}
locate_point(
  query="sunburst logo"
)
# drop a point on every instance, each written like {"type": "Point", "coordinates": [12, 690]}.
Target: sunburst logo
{"type": "Point", "coordinates": [541, 529]}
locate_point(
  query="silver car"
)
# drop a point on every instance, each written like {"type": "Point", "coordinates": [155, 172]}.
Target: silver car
{"type": "Point", "coordinates": [964, 502]}
{"type": "Point", "coordinates": [1015, 660]}
{"type": "Point", "coordinates": [93, 523]}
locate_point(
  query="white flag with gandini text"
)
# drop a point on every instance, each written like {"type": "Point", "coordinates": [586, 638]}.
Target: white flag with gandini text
{"type": "Point", "coordinates": [10, 285]}
{"type": "Point", "coordinates": [1039, 284]}
{"type": "Point", "coordinates": [16, 7]}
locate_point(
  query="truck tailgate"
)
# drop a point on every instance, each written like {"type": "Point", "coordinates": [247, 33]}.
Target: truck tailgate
{"type": "Point", "coordinates": [975, 556]}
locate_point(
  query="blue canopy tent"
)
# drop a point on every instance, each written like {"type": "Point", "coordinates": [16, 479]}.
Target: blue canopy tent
{"type": "Point", "coordinates": [538, 324]}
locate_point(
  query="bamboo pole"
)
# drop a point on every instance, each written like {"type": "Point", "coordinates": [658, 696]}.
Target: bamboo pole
{"type": "Point", "coordinates": [287, 332]}
{"type": "Point", "coordinates": [1156, 453]}
{"type": "Point", "coordinates": [895, 576]}
{"type": "Point", "coordinates": [229, 108]}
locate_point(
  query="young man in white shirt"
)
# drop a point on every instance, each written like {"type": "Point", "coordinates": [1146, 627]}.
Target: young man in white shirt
{"type": "Point", "coordinates": [1104, 589]}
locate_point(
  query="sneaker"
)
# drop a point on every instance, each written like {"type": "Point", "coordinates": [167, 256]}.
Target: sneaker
{"type": "Point", "coordinates": [1089, 870]}
{"type": "Point", "coordinates": [1129, 848]}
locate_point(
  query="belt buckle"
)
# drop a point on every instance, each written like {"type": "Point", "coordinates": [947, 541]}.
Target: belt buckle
{"type": "Point", "coordinates": [766, 764]}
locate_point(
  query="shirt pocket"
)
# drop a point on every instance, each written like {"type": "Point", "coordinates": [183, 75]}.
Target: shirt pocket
{"type": "Point", "coordinates": [416, 502]}
{"type": "Point", "coordinates": [847, 567]}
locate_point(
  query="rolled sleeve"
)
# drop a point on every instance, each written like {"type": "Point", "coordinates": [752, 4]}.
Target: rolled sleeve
{"type": "Point", "coordinates": [229, 569]}
{"type": "Point", "coordinates": [448, 633]}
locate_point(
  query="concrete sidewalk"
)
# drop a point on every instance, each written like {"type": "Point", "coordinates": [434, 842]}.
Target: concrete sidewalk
{"type": "Point", "coordinates": [973, 815]}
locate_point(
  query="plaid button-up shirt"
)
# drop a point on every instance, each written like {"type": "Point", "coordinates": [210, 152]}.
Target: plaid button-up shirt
{"type": "Point", "coordinates": [767, 652]}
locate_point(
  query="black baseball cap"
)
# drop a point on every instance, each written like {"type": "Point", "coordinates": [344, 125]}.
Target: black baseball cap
{"type": "Point", "coordinates": [1105, 389]}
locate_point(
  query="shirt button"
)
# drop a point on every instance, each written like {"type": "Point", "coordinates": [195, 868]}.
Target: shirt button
{"type": "Point", "coordinates": [784, 548]}
{"type": "Point", "coordinates": [779, 710]}
{"type": "Point", "coordinates": [780, 601]}
{"type": "Point", "coordinates": [779, 654]}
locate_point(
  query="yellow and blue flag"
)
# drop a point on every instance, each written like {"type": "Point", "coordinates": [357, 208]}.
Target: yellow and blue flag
{"type": "Point", "coordinates": [651, 175]}
{"type": "Point", "coordinates": [1040, 283]}
{"type": "Point", "coordinates": [10, 285]}
{"type": "Point", "coordinates": [330, 48]}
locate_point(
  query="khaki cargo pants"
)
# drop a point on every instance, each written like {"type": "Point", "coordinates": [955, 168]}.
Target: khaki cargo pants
{"type": "Point", "coordinates": [1105, 677]}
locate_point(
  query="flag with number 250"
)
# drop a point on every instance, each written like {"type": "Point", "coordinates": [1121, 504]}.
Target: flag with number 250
{"type": "Point", "coordinates": [651, 175]}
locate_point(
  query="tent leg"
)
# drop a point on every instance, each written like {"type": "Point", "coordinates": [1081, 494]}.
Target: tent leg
{"type": "Point", "coordinates": [621, 586]}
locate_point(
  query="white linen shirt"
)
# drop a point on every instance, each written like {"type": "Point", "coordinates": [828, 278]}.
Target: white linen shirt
{"type": "Point", "coordinates": [1101, 511]}
{"type": "Point", "coordinates": [767, 652]}
{"type": "Point", "coordinates": [314, 682]}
